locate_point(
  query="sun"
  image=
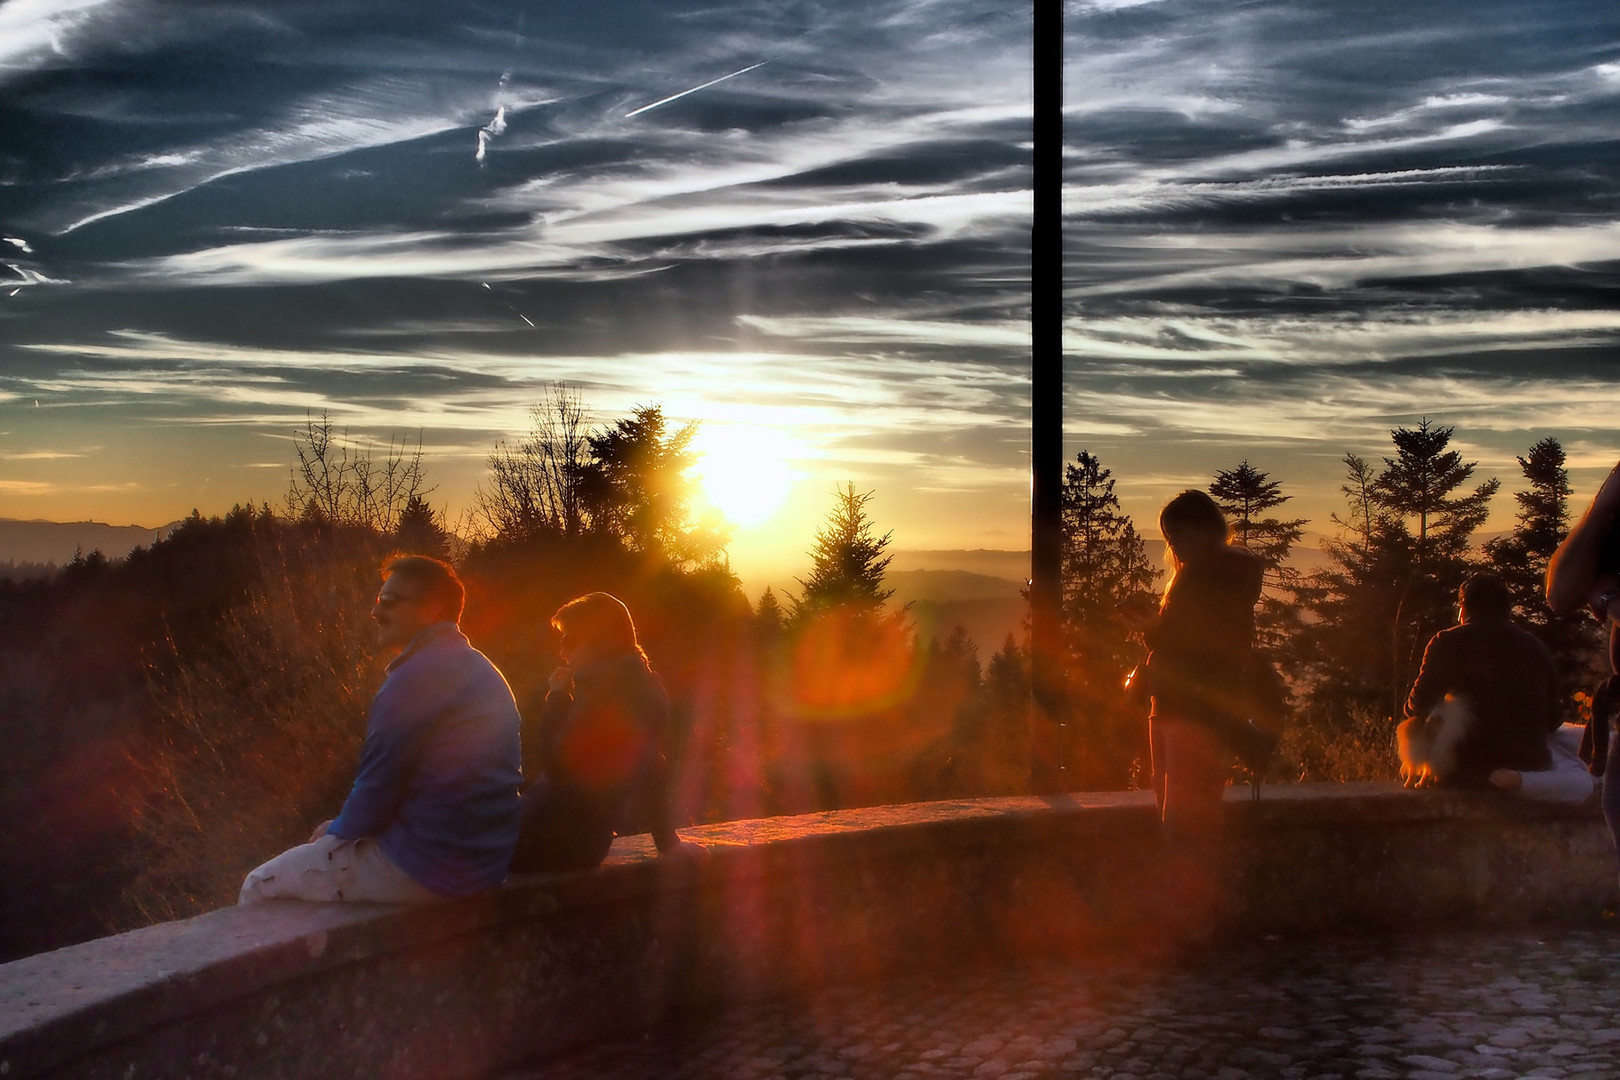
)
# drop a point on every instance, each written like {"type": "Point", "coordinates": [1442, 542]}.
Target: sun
{"type": "Point", "coordinates": [745, 471]}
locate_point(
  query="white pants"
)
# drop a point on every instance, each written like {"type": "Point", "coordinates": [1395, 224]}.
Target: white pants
{"type": "Point", "coordinates": [334, 869]}
{"type": "Point", "coordinates": [1567, 780]}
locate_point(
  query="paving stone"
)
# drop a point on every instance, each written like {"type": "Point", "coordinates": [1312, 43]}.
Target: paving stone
{"type": "Point", "coordinates": [1491, 1006]}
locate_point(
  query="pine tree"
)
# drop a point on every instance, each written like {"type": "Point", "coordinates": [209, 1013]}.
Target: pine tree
{"type": "Point", "coordinates": [769, 619]}
{"type": "Point", "coordinates": [637, 486]}
{"type": "Point", "coordinates": [848, 561]}
{"type": "Point", "coordinates": [1420, 482]}
{"type": "Point", "coordinates": [1521, 558]}
{"type": "Point", "coordinates": [1245, 493]}
{"type": "Point", "coordinates": [1390, 588]}
{"type": "Point", "coordinates": [419, 531]}
{"type": "Point", "coordinates": [1105, 565]}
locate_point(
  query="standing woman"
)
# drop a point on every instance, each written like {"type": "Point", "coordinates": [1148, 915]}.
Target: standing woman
{"type": "Point", "coordinates": [598, 754]}
{"type": "Point", "coordinates": [1203, 643]}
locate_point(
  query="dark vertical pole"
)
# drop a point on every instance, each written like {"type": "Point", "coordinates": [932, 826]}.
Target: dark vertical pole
{"type": "Point", "coordinates": [1047, 735]}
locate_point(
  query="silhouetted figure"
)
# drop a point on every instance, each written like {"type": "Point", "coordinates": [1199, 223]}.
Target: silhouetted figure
{"type": "Point", "coordinates": [600, 745]}
{"type": "Point", "coordinates": [1487, 692]}
{"type": "Point", "coordinates": [1585, 572]}
{"type": "Point", "coordinates": [433, 813]}
{"type": "Point", "coordinates": [1202, 642]}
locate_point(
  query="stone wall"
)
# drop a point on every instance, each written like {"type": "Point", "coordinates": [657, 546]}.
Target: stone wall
{"type": "Point", "coordinates": [777, 906]}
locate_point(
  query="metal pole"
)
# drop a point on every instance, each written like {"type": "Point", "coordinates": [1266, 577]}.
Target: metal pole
{"type": "Point", "coordinates": [1048, 739]}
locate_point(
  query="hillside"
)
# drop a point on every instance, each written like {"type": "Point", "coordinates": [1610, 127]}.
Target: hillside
{"type": "Point", "coordinates": [56, 541]}
{"type": "Point", "coordinates": [987, 607]}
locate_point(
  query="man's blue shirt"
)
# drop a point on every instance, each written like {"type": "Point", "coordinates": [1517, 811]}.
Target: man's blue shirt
{"type": "Point", "coordinates": [441, 767]}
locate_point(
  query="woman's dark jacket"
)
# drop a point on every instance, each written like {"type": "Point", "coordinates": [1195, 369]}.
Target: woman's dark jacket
{"type": "Point", "coordinates": [1203, 643]}
{"type": "Point", "coordinates": [598, 758]}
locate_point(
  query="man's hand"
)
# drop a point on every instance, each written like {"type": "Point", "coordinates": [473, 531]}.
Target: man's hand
{"type": "Point", "coordinates": [320, 830]}
{"type": "Point", "coordinates": [561, 679]}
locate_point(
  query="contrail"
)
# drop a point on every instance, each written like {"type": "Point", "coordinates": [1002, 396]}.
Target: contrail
{"type": "Point", "coordinates": [695, 89]}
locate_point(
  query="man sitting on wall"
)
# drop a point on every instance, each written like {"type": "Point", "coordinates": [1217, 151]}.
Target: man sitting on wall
{"type": "Point", "coordinates": [433, 813]}
{"type": "Point", "coordinates": [1486, 698]}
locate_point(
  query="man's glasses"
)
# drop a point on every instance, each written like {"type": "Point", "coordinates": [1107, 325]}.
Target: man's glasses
{"type": "Point", "coordinates": [387, 600]}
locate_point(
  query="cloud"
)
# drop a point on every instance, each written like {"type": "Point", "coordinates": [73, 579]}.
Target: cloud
{"type": "Point", "coordinates": [41, 33]}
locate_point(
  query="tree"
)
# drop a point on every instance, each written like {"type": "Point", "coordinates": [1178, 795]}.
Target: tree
{"type": "Point", "coordinates": [419, 531]}
{"type": "Point", "coordinates": [637, 487]}
{"type": "Point", "coordinates": [343, 483]}
{"type": "Point", "coordinates": [1521, 558]}
{"type": "Point", "coordinates": [848, 561]}
{"type": "Point", "coordinates": [1245, 493]}
{"type": "Point", "coordinates": [769, 618]}
{"type": "Point", "coordinates": [1105, 565]}
{"type": "Point", "coordinates": [536, 487]}
{"type": "Point", "coordinates": [1420, 482]}
{"type": "Point", "coordinates": [1360, 493]}
{"type": "Point", "coordinates": [1390, 588]}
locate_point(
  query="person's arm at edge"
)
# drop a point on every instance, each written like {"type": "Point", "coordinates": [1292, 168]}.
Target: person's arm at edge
{"type": "Point", "coordinates": [1573, 567]}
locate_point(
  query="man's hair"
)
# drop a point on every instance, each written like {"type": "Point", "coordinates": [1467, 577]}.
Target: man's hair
{"type": "Point", "coordinates": [436, 578]}
{"type": "Point", "coordinates": [603, 620]}
{"type": "Point", "coordinates": [1486, 594]}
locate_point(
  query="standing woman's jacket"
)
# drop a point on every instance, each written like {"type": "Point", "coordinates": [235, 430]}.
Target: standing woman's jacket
{"type": "Point", "coordinates": [1203, 643]}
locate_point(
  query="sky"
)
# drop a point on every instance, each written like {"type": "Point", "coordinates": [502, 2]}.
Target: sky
{"type": "Point", "coordinates": [1288, 228]}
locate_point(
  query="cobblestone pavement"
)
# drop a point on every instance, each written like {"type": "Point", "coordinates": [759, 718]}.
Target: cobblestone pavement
{"type": "Point", "coordinates": [1497, 1005]}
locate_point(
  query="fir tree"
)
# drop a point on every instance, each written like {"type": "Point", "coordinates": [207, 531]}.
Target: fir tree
{"type": "Point", "coordinates": [848, 561]}
{"type": "Point", "coordinates": [1521, 558]}
{"type": "Point", "coordinates": [769, 619]}
{"type": "Point", "coordinates": [1390, 588]}
{"type": "Point", "coordinates": [419, 531]}
{"type": "Point", "coordinates": [637, 486]}
{"type": "Point", "coordinates": [1421, 482]}
{"type": "Point", "coordinates": [1105, 565]}
{"type": "Point", "coordinates": [1244, 494]}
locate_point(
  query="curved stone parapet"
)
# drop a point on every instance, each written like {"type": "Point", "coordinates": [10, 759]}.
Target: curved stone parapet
{"type": "Point", "coordinates": [776, 906]}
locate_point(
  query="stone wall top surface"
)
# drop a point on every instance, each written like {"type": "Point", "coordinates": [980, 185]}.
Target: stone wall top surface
{"type": "Point", "coordinates": [102, 990]}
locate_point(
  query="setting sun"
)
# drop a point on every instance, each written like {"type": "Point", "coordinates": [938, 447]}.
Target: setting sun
{"type": "Point", "coordinates": [745, 471]}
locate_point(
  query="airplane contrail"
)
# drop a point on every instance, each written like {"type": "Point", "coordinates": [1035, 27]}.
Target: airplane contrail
{"type": "Point", "coordinates": [695, 89]}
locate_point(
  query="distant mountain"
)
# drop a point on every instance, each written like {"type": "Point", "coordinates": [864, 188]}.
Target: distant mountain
{"type": "Point", "coordinates": [987, 607]}
{"type": "Point", "coordinates": [1013, 565]}
{"type": "Point", "coordinates": [949, 585]}
{"type": "Point", "coordinates": [56, 541]}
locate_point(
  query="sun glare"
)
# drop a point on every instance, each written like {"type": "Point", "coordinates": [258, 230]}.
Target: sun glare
{"type": "Point", "coordinates": [745, 471]}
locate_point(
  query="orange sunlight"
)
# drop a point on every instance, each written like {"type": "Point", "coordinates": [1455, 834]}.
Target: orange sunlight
{"type": "Point", "coordinates": [745, 471]}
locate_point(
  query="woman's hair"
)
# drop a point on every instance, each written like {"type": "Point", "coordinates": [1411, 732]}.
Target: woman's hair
{"type": "Point", "coordinates": [601, 619]}
{"type": "Point", "coordinates": [1191, 513]}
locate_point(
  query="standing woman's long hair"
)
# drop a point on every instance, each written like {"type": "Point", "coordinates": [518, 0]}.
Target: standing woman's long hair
{"type": "Point", "coordinates": [1190, 522]}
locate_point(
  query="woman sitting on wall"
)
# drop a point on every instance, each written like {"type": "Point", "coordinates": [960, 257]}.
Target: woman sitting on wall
{"type": "Point", "coordinates": [600, 745]}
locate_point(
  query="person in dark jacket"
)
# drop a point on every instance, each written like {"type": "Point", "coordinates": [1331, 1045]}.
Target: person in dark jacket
{"type": "Point", "coordinates": [1585, 573]}
{"type": "Point", "coordinates": [1501, 675]}
{"type": "Point", "coordinates": [1202, 642]}
{"type": "Point", "coordinates": [598, 753]}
